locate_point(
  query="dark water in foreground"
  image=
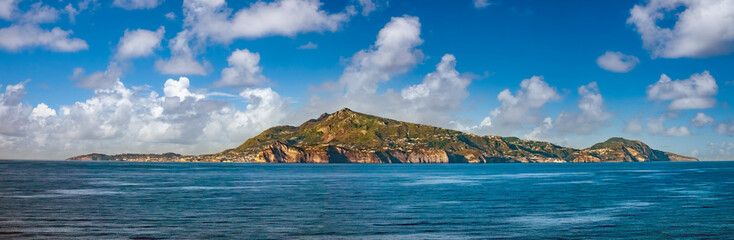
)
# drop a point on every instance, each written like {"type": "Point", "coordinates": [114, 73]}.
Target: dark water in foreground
{"type": "Point", "coordinates": [52, 200]}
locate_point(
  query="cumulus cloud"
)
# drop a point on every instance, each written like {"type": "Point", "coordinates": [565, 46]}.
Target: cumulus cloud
{"type": "Point", "coordinates": [617, 62]}
{"type": "Point", "coordinates": [655, 126]}
{"type": "Point", "coordinates": [136, 4]}
{"type": "Point", "coordinates": [393, 53]}
{"type": "Point", "coordinates": [100, 79]}
{"type": "Point", "coordinates": [243, 71]}
{"type": "Point", "coordinates": [696, 92]}
{"type": "Point", "coordinates": [701, 120]}
{"type": "Point", "coordinates": [481, 3]}
{"type": "Point", "coordinates": [13, 110]}
{"type": "Point", "coordinates": [26, 33]}
{"type": "Point", "coordinates": [592, 115]}
{"type": "Point", "coordinates": [431, 102]}
{"type": "Point", "coordinates": [179, 89]}
{"type": "Point", "coordinates": [182, 60]}
{"type": "Point", "coordinates": [213, 20]}
{"type": "Point", "coordinates": [139, 43]}
{"type": "Point", "coordinates": [170, 16]}
{"type": "Point", "coordinates": [704, 28]}
{"type": "Point", "coordinates": [42, 111]}
{"type": "Point", "coordinates": [441, 91]}
{"type": "Point", "coordinates": [524, 106]}
{"type": "Point", "coordinates": [120, 119]}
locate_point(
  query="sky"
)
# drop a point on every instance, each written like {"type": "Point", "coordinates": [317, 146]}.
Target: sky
{"type": "Point", "coordinates": [201, 76]}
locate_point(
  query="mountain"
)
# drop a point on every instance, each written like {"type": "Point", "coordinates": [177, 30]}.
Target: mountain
{"type": "Point", "coordinates": [164, 157]}
{"type": "Point", "coordinates": [351, 137]}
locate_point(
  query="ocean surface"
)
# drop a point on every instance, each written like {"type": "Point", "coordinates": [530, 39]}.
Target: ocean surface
{"type": "Point", "coordinates": [127, 200]}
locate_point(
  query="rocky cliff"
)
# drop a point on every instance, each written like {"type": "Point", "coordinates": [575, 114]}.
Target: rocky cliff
{"type": "Point", "coordinates": [351, 137]}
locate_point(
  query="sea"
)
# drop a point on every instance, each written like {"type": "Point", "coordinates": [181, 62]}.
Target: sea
{"type": "Point", "coordinates": [131, 200]}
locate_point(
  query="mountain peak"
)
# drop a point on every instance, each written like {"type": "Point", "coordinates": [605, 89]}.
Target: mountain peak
{"type": "Point", "coordinates": [343, 110]}
{"type": "Point", "coordinates": [617, 142]}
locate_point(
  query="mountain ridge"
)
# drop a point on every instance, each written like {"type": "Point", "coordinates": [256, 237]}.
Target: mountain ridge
{"type": "Point", "coordinates": [347, 136]}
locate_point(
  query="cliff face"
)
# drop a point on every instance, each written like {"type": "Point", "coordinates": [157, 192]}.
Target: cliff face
{"type": "Point", "coordinates": [282, 153]}
{"type": "Point", "coordinates": [351, 137]}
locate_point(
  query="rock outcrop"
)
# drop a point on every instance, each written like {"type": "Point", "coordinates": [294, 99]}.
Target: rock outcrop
{"type": "Point", "coordinates": [351, 137]}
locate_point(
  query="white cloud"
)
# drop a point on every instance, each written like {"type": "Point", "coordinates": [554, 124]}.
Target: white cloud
{"type": "Point", "coordinates": [17, 37]}
{"type": "Point", "coordinates": [592, 115]}
{"type": "Point", "coordinates": [170, 16]}
{"type": "Point", "coordinates": [704, 28]}
{"type": "Point", "coordinates": [12, 110]}
{"type": "Point", "coordinates": [517, 111]}
{"type": "Point", "coordinates": [696, 92]}
{"type": "Point", "coordinates": [721, 151]}
{"type": "Point", "coordinates": [213, 20]}
{"type": "Point", "coordinates": [542, 131]}
{"type": "Point", "coordinates": [81, 6]}
{"type": "Point", "coordinates": [617, 62]}
{"type": "Point", "coordinates": [99, 79]}
{"type": "Point", "coordinates": [136, 4]}
{"type": "Point", "coordinates": [309, 45]}
{"type": "Point", "coordinates": [701, 119]}
{"type": "Point", "coordinates": [441, 91]}
{"type": "Point", "coordinates": [8, 8]}
{"type": "Point", "coordinates": [655, 126]}
{"type": "Point", "coordinates": [633, 126]}
{"type": "Point", "coordinates": [26, 32]}
{"type": "Point", "coordinates": [39, 13]}
{"type": "Point", "coordinates": [179, 89]}
{"type": "Point", "coordinates": [182, 60]}
{"type": "Point", "coordinates": [524, 106]}
{"type": "Point", "coordinates": [725, 128]}
{"type": "Point", "coordinates": [72, 12]}
{"type": "Point", "coordinates": [393, 53]}
{"type": "Point", "coordinates": [481, 3]}
{"type": "Point", "coordinates": [119, 119]}
{"type": "Point", "coordinates": [243, 71]}
{"type": "Point", "coordinates": [433, 101]}
{"type": "Point", "coordinates": [139, 43]}
{"type": "Point", "coordinates": [367, 6]}
{"type": "Point", "coordinates": [42, 111]}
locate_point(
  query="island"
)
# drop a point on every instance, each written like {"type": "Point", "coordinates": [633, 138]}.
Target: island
{"type": "Point", "coordinates": [347, 136]}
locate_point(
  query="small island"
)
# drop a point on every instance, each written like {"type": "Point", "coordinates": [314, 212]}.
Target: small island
{"type": "Point", "coordinates": [347, 136]}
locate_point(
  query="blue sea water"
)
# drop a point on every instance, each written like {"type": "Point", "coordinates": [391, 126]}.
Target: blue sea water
{"type": "Point", "coordinates": [121, 200]}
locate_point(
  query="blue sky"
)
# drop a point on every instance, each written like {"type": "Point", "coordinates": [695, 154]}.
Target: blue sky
{"type": "Point", "coordinates": [199, 76]}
